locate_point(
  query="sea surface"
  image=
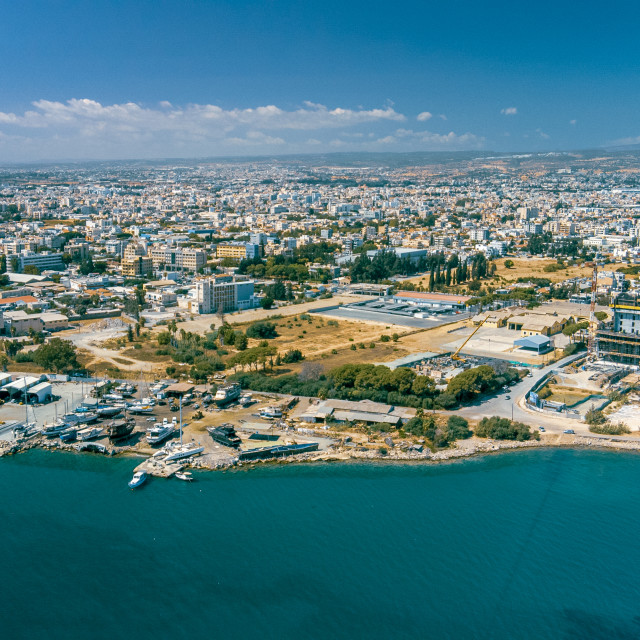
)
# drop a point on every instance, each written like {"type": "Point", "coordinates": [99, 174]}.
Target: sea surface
{"type": "Point", "coordinates": [529, 544]}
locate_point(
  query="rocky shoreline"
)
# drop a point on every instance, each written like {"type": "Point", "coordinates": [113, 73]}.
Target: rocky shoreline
{"type": "Point", "coordinates": [462, 449]}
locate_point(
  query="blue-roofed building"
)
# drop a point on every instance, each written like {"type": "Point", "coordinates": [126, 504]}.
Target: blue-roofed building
{"type": "Point", "coordinates": [536, 343]}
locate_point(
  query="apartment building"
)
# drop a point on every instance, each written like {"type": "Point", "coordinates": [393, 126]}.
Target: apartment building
{"type": "Point", "coordinates": [136, 267]}
{"type": "Point", "coordinates": [43, 261]}
{"type": "Point", "coordinates": [178, 259]}
{"type": "Point", "coordinates": [238, 250]}
{"type": "Point", "coordinates": [231, 294]}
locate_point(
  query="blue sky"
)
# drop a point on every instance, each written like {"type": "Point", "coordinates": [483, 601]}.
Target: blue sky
{"type": "Point", "coordinates": [96, 79]}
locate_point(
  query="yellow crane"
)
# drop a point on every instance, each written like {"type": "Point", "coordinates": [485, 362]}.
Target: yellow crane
{"type": "Point", "coordinates": [455, 355]}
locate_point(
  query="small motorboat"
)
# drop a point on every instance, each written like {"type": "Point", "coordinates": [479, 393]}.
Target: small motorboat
{"type": "Point", "coordinates": [138, 478]}
{"type": "Point", "coordinates": [184, 475]}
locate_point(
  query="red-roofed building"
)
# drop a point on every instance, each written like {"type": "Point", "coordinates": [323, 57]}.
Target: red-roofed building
{"type": "Point", "coordinates": [7, 302]}
{"type": "Point", "coordinates": [431, 300]}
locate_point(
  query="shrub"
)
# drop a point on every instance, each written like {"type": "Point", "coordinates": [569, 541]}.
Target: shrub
{"type": "Point", "coordinates": [164, 338]}
{"type": "Point", "coordinates": [295, 355]}
{"type": "Point", "coordinates": [595, 417]}
{"type": "Point", "coordinates": [610, 429]}
{"type": "Point", "coordinates": [384, 338]}
{"type": "Point", "coordinates": [23, 356]}
{"type": "Point", "coordinates": [504, 429]}
{"type": "Point", "coordinates": [457, 428]}
{"type": "Point", "coordinates": [262, 330]}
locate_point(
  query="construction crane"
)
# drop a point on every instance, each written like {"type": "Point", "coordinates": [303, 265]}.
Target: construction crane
{"type": "Point", "coordinates": [455, 355]}
{"type": "Point", "coordinates": [593, 321]}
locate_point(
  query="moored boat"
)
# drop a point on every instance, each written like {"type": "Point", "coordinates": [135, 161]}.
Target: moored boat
{"type": "Point", "coordinates": [138, 478]}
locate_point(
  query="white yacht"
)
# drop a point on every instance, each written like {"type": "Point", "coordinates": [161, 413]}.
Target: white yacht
{"type": "Point", "coordinates": [179, 451]}
{"type": "Point", "coordinates": [160, 431]}
{"type": "Point", "coordinates": [271, 413]}
{"type": "Point", "coordinates": [140, 408]}
{"type": "Point", "coordinates": [54, 429]}
{"type": "Point", "coordinates": [90, 433]}
{"type": "Point", "coordinates": [138, 478]}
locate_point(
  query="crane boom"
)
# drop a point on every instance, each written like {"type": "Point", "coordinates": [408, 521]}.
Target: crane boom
{"type": "Point", "coordinates": [455, 355]}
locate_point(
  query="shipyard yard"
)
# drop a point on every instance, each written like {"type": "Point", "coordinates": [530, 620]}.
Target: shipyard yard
{"type": "Point", "coordinates": [266, 426]}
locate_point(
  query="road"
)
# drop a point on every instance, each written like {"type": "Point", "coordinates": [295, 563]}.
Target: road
{"type": "Point", "coordinates": [91, 336]}
{"type": "Point", "coordinates": [498, 405]}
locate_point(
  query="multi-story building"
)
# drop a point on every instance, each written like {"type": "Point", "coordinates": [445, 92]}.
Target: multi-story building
{"type": "Point", "coordinates": [43, 261]}
{"type": "Point", "coordinates": [225, 292]}
{"type": "Point", "coordinates": [238, 250]}
{"type": "Point", "coordinates": [622, 344]}
{"type": "Point", "coordinates": [479, 235]}
{"type": "Point", "coordinates": [136, 267]}
{"type": "Point", "coordinates": [178, 259]}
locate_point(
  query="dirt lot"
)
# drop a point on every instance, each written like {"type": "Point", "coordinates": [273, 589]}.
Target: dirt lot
{"type": "Point", "coordinates": [203, 323]}
{"type": "Point", "coordinates": [534, 268]}
{"type": "Point", "coordinates": [315, 335]}
{"type": "Point", "coordinates": [524, 268]}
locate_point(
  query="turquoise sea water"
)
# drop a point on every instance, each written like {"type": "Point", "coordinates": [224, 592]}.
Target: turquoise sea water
{"type": "Point", "coordinates": [533, 544]}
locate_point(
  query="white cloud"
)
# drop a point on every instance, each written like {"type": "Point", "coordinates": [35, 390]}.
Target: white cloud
{"type": "Point", "coordinates": [424, 116]}
{"type": "Point", "coordinates": [83, 128]}
{"type": "Point", "coordinates": [542, 134]}
{"type": "Point", "coordinates": [509, 111]}
{"type": "Point", "coordinates": [572, 122]}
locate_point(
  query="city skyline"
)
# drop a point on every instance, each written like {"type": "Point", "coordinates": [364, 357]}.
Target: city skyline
{"type": "Point", "coordinates": [202, 79]}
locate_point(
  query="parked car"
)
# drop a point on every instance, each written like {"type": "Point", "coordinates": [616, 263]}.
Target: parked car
{"type": "Point", "coordinates": [568, 431]}
{"type": "Point", "coordinates": [541, 429]}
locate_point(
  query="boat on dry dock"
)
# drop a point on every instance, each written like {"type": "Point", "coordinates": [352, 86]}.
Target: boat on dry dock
{"type": "Point", "coordinates": [178, 451]}
{"type": "Point", "coordinates": [228, 393]}
{"type": "Point", "coordinates": [90, 433]}
{"type": "Point", "coordinates": [69, 434]}
{"type": "Point", "coordinates": [226, 435]}
{"type": "Point", "coordinates": [160, 431]}
{"type": "Point", "coordinates": [120, 429]}
{"type": "Point", "coordinates": [54, 429]}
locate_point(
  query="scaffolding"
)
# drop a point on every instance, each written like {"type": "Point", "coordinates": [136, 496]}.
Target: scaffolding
{"type": "Point", "coordinates": [616, 346]}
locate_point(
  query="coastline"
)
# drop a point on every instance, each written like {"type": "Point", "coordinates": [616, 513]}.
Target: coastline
{"type": "Point", "coordinates": [471, 448]}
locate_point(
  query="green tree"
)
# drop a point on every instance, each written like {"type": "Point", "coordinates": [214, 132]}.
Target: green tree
{"type": "Point", "coordinates": [241, 341]}
{"type": "Point", "coordinates": [57, 355]}
{"type": "Point", "coordinates": [267, 302]}
{"type": "Point", "coordinates": [508, 264]}
{"type": "Point", "coordinates": [130, 333]}
{"type": "Point", "coordinates": [31, 269]}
